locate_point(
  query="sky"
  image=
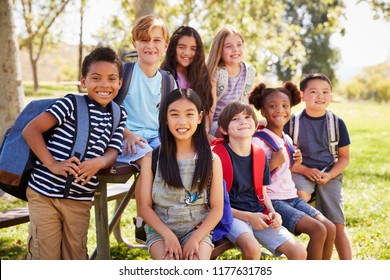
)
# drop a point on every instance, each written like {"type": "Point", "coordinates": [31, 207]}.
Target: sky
{"type": "Point", "coordinates": [366, 42]}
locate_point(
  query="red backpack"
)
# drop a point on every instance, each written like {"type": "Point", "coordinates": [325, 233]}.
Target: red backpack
{"type": "Point", "coordinates": [217, 146]}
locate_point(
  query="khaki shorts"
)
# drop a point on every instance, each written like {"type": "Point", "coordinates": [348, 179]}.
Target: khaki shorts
{"type": "Point", "coordinates": [58, 228]}
{"type": "Point", "coordinates": [329, 197]}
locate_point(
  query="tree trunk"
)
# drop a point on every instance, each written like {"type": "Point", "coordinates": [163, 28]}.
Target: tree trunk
{"type": "Point", "coordinates": [143, 7]}
{"type": "Point", "coordinates": [81, 43]}
{"type": "Point", "coordinates": [11, 94]}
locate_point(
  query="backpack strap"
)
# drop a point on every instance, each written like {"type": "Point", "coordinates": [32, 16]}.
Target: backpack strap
{"type": "Point", "coordinates": [116, 116]}
{"type": "Point", "coordinates": [127, 75]}
{"type": "Point", "coordinates": [223, 78]}
{"type": "Point", "coordinates": [269, 141]}
{"type": "Point", "coordinates": [167, 83]}
{"type": "Point", "coordinates": [258, 174]}
{"type": "Point", "coordinates": [222, 81]}
{"type": "Point", "coordinates": [294, 127]}
{"type": "Point", "coordinates": [218, 147]}
{"type": "Point", "coordinates": [333, 133]}
{"type": "Point", "coordinates": [249, 78]}
{"type": "Point", "coordinates": [81, 137]}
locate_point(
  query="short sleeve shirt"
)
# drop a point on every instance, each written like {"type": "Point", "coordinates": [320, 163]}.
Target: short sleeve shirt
{"type": "Point", "coordinates": [242, 194]}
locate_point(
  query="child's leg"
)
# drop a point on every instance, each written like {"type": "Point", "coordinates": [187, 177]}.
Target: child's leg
{"type": "Point", "coordinates": [305, 187]}
{"type": "Point", "coordinates": [317, 233]}
{"type": "Point", "coordinates": [299, 217]}
{"type": "Point", "coordinates": [304, 195]}
{"type": "Point", "coordinates": [241, 234]}
{"type": "Point", "coordinates": [45, 228]}
{"type": "Point", "coordinates": [330, 202]}
{"type": "Point", "coordinates": [343, 243]}
{"type": "Point", "coordinates": [205, 250]}
{"type": "Point", "coordinates": [330, 237]}
{"type": "Point", "coordinates": [75, 228]}
{"type": "Point", "coordinates": [293, 250]}
{"type": "Point", "coordinates": [249, 246]}
{"type": "Point", "coordinates": [157, 250]}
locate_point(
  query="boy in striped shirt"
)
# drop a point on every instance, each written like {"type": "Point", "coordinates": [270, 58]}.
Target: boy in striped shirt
{"type": "Point", "coordinates": [59, 221]}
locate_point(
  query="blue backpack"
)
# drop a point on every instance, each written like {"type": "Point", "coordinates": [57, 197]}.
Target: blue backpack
{"type": "Point", "coordinates": [225, 224]}
{"type": "Point", "coordinates": [14, 174]}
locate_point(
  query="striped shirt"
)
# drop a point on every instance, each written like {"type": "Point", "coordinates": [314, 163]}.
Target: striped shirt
{"type": "Point", "coordinates": [60, 144]}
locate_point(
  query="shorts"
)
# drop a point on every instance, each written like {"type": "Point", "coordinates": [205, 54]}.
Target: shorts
{"type": "Point", "coordinates": [152, 144]}
{"type": "Point", "coordinates": [183, 222]}
{"type": "Point", "coordinates": [329, 197]}
{"type": "Point", "coordinates": [293, 210]}
{"type": "Point", "coordinates": [269, 237]}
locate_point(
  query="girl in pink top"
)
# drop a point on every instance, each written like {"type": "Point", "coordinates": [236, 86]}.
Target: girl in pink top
{"type": "Point", "coordinates": [298, 216]}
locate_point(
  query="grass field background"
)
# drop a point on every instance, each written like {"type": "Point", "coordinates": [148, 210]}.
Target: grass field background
{"type": "Point", "coordinates": [366, 193]}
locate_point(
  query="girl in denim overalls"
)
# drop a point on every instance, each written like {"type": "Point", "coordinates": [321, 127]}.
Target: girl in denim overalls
{"type": "Point", "coordinates": [183, 202]}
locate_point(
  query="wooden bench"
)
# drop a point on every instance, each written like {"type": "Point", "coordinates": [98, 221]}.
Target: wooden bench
{"type": "Point", "coordinates": [118, 174]}
{"type": "Point", "coordinates": [20, 215]}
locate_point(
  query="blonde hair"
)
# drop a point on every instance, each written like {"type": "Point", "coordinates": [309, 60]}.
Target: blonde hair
{"type": "Point", "coordinates": [215, 55]}
{"type": "Point", "coordinates": [143, 26]}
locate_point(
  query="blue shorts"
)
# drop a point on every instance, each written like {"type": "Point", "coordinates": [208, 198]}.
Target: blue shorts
{"type": "Point", "coordinates": [269, 237]}
{"type": "Point", "coordinates": [293, 210]}
{"type": "Point", "coordinates": [152, 144]}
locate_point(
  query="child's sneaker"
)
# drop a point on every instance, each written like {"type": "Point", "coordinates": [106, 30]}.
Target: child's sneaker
{"type": "Point", "coordinates": [140, 234]}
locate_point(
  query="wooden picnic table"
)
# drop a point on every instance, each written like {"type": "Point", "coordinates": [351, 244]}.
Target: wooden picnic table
{"type": "Point", "coordinates": [118, 173]}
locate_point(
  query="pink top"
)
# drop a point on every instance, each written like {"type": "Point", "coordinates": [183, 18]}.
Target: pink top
{"type": "Point", "coordinates": [282, 186]}
{"type": "Point", "coordinates": [182, 81]}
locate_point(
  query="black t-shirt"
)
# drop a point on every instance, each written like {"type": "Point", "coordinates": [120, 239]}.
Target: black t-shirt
{"type": "Point", "coordinates": [242, 194]}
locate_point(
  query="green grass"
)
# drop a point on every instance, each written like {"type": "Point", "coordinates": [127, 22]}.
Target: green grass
{"type": "Point", "coordinates": [48, 90]}
{"type": "Point", "coordinates": [366, 192]}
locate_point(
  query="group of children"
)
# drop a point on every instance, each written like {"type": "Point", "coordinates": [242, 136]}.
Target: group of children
{"type": "Point", "coordinates": [181, 201]}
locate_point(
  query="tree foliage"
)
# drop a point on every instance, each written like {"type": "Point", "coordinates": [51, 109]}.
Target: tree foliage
{"type": "Point", "coordinates": [373, 83]}
{"type": "Point", "coordinates": [380, 7]}
{"type": "Point", "coordinates": [284, 37]}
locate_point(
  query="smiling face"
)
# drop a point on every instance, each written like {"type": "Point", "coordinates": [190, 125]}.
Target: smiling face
{"type": "Point", "coordinates": [102, 82]}
{"type": "Point", "coordinates": [241, 126]}
{"type": "Point", "coordinates": [277, 111]}
{"type": "Point", "coordinates": [233, 49]}
{"type": "Point", "coordinates": [183, 119]}
{"type": "Point", "coordinates": [185, 52]}
{"type": "Point", "coordinates": [317, 96]}
{"type": "Point", "coordinates": [151, 48]}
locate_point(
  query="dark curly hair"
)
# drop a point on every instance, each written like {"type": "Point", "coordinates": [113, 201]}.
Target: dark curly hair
{"type": "Point", "coordinates": [259, 93]}
{"type": "Point", "coordinates": [101, 54]}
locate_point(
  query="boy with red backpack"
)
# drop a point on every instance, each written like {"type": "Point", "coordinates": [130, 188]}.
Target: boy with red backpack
{"type": "Point", "coordinates": [255, 220]}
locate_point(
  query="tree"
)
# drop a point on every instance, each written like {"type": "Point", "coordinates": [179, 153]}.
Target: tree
{"type": "Point", "coordinates": [12, 95]}
{"type": "Point", "coordinates": [316, 22]}
{"type": "Point", "coordinates": [39, 17]}
{"type": "Point", "coordinates": [83, 5]}
{"type": "Point", "coordinates": [380, 7]}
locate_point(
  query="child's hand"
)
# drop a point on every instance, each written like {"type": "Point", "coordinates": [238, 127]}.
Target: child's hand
{"type": "Point", "coordinates": [130, 141]}
{"type": "Point", "coordinates": [87, 169]}
{"type": "Point", "coordinates": [313, 174]}
{"type": "Point", "coordinates": [172, 248]}
{"type": "Point", "coordinates": [276, 220]}
{"type": "Point", "coordinates": [258, 220]}
{"type": "Point", "coordinates": [191, 250]}
{"type": "Point", "coordinates": [277, 158]}
{"type": "Point", "coordinates": [325, 177]}
{"type": "Point", "coordinates": [66, 167]}
{"type": "Point", "coordinates": [297, 156]}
